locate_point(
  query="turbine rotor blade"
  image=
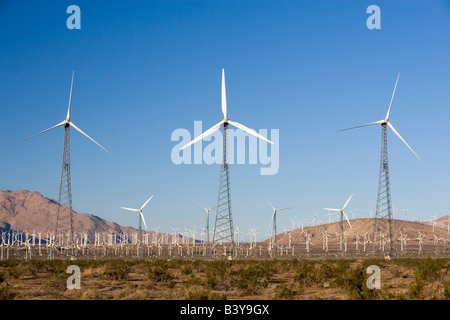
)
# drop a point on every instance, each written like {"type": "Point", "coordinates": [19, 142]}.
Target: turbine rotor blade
{"type": "Point", "coordinates": [58, 125]}
{"type": "Point", "coordinates": [347, 202]}
{"type": "Point", "coordinates": [146, 202]}
{"type": "Point", "coordinates": [142, 218]}
{"type": "Point", "coordinates": [80, 131]}
{"type": "Point", "coordinates": [364, 125]}
{"type": "Point", "coordinates": [270, 205]}
{"type": "Point", "coordinates": [284, 209]}
{"type": "Point", "coordinates": [224, 96]}
{"type": "Point", "coordinates": [204, 208]}
{"type": "Point", "coordinates": [398, 135]}
{"type": "Point", "coordinates": [204, 134]}
{"type": "Point", "coordinates": [248, 130]}
{"type": "Point", "coordinates": [70, 97]}
{"type": "Point", "coordinates": [347, 218]}
{"type": "Point", "coordinates": [129, 209]}
{"type": "Point", "coordinates": [332, 209]}
{"type": "Point", "coordinates": [392, 99]}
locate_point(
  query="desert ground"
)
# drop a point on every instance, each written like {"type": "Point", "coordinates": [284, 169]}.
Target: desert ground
{"type": "Point", "coordinates": [269, 279]}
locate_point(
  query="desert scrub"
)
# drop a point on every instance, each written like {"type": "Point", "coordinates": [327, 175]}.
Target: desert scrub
{"type": "Point", "coordinates": [306, 274]}
{"type": "Point", "coordinates": [192, 281]}
{"type": "Point", "coordinates": [57, 281]}
{"type": "Point", "coordinates": [90, 294]}
{"type": "Point", "coordinates": [431, 269]}
{"type": "Point", "coordinates": [416, 288]}
{"type": "Point", "coordinates": [116, 270]}
{"type": "Point", "coordinates": [159, 273]}
{"type": "Point", "coordinates": [186, 270]}
{"type": "Point", "coordinates": [132, 292]}
{"type": "Point", "coordinates": [354, 281]}
{"type": "Point", "coordinates": [202, 294]}
{"type": "Point", "coordinates": [218, 275]}
{"type": "Point", "coordinates": [447, 289]}
{"type": "Point", "coordinates": [285, 291]}
{"type": "Point", "coordinates": [6, 293]}
{"type": "Point", "coordinates": [253, 278]}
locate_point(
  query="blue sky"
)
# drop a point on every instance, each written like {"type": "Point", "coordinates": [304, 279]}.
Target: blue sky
{"type": "Point", "coordinates": [307, 68]}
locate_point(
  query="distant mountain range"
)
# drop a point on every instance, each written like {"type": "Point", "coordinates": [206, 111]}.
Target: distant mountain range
{"type": "Point", "coordinates": [28, 211]}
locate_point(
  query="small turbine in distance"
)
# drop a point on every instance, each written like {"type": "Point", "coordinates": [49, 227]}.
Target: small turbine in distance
{"type": "Point", "coordinates": [342, 211]}
{"type": "Point", "coordinates": [341, 225]}
{"type": "Point", "coordinates": [274, 223]}
{"type": "Point", "coordinates": [141, 216]}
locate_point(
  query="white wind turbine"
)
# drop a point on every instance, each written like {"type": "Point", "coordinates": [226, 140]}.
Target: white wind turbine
{"type": "Point", "coordinates": [225, 121]}
{"type": "Point", "coordinates": [384, 202]}
{"type": "Point", "coordinates": [342, 211]}
{"type": "Point", "coordinates": [141, 216]}
{"type": "Point", "coordinates": [64, 216]}
{"type": "Point", "coordinates": [386, 121]}
{"type": "Point", "coordinates": [207, 221]}
{"type": "Point", "coordinates": [342, 214]}
{"type": "Point", "coordinates": [223, 209]}
{"type": "Point", "coordinates": [67, 122]}
{"type": "Point", "coordinates": [274, 223]}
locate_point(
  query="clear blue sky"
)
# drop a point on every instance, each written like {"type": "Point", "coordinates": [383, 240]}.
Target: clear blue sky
{"type": "Point", "coordinates": [307, 68]}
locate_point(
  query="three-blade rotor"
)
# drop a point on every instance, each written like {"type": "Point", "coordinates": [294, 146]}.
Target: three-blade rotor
{"type": "Point", "coordinates": [225, 121]}
{"type": "Point", "coordinates": [342, 210]}
{"type": "Point", "coordinates": [139, 210]}
{"type": "Point", "coordinates": [67, 121]}
{"type": "Point", "coordinates": [386, 121]}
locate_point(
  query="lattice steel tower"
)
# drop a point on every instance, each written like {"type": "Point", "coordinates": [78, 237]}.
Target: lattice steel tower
{"type": "Point", "coordinates": [384, 212]}
{"type": "Point", "coordinates": [223, 227]}
{"type": "Point", "coordinates": [64, 217]}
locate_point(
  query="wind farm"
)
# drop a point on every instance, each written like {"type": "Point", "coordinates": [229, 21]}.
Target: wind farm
{"type": "Point", "coordinates": [232, 151]}
{"type": "Point", "coordinates": [383, 236]}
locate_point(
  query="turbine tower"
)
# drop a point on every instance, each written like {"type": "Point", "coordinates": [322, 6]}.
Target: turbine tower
{"type": "Point", "coordinates": [273, 240]}
{"type": "Point", "coordinates": [224, 217]}
{"type": "Point", "coordinates": [64, 215]}
{"type": "Point", "coordinates": [207, 221]}
{"type": "Point", "coordinates": [341, 223]}
{"type": "Point", "coordinates": [384, 210]}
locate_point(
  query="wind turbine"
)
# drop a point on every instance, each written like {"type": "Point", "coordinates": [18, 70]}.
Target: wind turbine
{"type": "Point", "coordinates": [224, 220]}
{"type": "Point", "coordinates": [342, 215]}
{"type": "Point", "coordinates": [64, 219]}
{"type": "Point", "coordinates": [207, 220]}
{"type": "Point", "coordinates": [404, 211]}
{"type": "Point", "coordinates": [141, 216]}
{"type": "Point", "coordinates": [274, 223]}
{"type": "Point", "coordinates": [384, 201]}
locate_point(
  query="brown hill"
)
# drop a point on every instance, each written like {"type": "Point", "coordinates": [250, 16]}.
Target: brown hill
{"type": "Point", "coordinates": [28, 211]}
{"type": "Point", "coordinates": [360, 227]}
